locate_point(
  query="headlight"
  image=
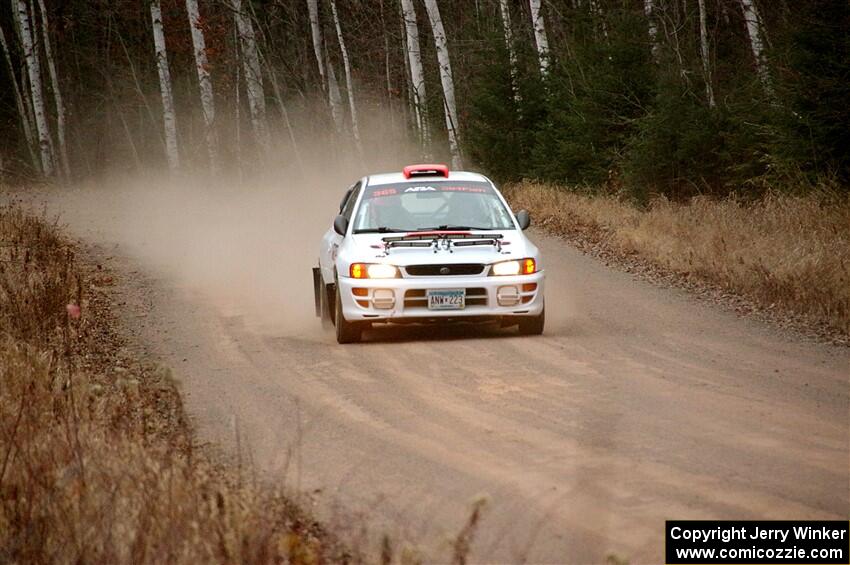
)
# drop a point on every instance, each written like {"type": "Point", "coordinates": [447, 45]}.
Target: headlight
{"type": "Point", "coordinates": [519, 267]}
{"type": "Point", "coordinates": [373, 271]}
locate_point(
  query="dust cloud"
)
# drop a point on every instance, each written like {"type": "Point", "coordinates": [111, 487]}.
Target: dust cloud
{"type": "Point", "coordinates": [244, 243]}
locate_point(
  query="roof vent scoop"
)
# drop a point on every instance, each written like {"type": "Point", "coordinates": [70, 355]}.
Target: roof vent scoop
{"type": "Point", "coordinates": [426, 171]}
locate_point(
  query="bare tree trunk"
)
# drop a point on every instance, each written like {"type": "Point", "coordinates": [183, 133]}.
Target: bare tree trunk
{"type": "Point", "coordinates": [355, 130]}
{"type": "Point", "coordinates": [706, 60]}
{"type": "Point", "coordinates": [57, 92]}
{"type": "Point", "coordinates": [326, 70]}
{"type": "Point", "coordinates": [504, 8]}
{"type": "Point", "coordinates": [169, 117]}
{"type": "Point", "coordinates": [540, 38]}
{"type": "Point", "coordinates": [417, 75]}
{"type": "Point", "coordinates": [19, 8]}
{"type": "Point", "coordinates": [753, 21]}
{"type": "Point", "coordinates": [446, 79]}
{"type": "Point", "coordinates": [387, 71]}
{"type": "Point", "coordinates": [316, 29]}
{"type": "Point", "coordinates": [253, 75]}
{"type": "Point", "coordinates": [597, 11]}
{"type": "Point", "coordinates": [410, 108]}
{"type": "Point", "coordinates": [649, 10]}
{"type": "Point", "coordinates": [237, 52]}
{"type": "Point", "coordinates": [335, 97]}
{"type": "Point", "coordinates": [19, 103]}
{"type": "Point", "coordinates": [281, 106]}
{"type": "Point", "coordinates": [205, 87]}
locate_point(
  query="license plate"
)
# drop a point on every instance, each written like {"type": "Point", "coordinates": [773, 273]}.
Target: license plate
{"type": "Point", "coordinates": [446, 299]}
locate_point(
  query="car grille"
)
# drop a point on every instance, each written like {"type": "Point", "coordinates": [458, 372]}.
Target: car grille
{"type": "Point", "coordinates": [417, 298]}
{"type": "Point", "coordinates": [444, 270]}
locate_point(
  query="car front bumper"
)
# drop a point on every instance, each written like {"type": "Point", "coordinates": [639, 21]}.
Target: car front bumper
{"type": "Point", "coordinates": [406, 299]}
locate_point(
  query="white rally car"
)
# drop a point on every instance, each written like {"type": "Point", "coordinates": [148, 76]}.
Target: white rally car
{"type": "Point", "coordinates": [427, 245]}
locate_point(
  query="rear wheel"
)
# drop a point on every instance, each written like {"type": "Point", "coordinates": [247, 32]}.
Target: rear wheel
{"type": "Point", "coordinates": [346, 332]}
{"type": "Point", "coordinates": [532, 325]}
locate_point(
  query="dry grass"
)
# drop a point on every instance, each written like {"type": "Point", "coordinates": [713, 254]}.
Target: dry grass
{"type": "Point", "coordinates": [96, 463]}
{"type": "Point", "coordinates": [791, 252]}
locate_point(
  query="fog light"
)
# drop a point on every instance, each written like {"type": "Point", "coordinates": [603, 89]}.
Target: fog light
{"type": "Point", "coordinates": [383, 298]}
{"type": "Point", "coordinates": [507, 296]}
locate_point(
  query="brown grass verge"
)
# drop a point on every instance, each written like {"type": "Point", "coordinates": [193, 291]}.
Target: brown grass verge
{"type": "Point", "coordinates": [96, 458]}
{"type": "Point", "coordinates": [786, 253]}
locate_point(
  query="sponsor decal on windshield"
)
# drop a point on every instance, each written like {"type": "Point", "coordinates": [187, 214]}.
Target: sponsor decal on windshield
{"type": "Point", "coordinates": [384, 191]}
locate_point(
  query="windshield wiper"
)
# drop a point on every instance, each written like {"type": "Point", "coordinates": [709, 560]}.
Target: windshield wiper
{"type": "Point", "coordinates": [381, 229]}
{"type": "Point", "coordinates": [453, 228]}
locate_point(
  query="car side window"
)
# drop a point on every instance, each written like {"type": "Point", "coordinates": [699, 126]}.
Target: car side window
{"type": "Point", "coordinates": [352, 199]}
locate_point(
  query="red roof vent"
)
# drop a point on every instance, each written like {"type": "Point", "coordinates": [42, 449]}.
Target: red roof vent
{"type": "Point", "coordinates": [426, 170]}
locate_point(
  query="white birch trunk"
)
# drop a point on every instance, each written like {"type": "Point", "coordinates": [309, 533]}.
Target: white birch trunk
{"type": "Point", "coordinates": [649, 10]}
{"type": "Point", "coordinates": [316, 29]}
{"type": "Point", "coordinates": [706, 60]}
{"type": "Point", "coordinates": [57, 92]}
{"type": "Point", "coordinates": [540, 38]}
{"type": "Point", "coordinates": [355, 130]}
{"type": "Point", "coordinates": [505, 10]}
{"type": "Point", "coordinates": [335, 97]}
{"type": "Point", "coordinates": [253, 74]}
{"type": "Point", "coordinates": [19, 8]}
{"type": "Point", "coordinates": [446, 79]}
{"type": "Point", "coordinates": [410, 107]}
{"type": "Point", "coordinates": [326, 70]}
{"type": "Point", "coordinates": [753, 21]}
{"type": "Point", "coordinates": [205, 88]}
{"type": "Point", "coordinates": [169, 117]}
{"type": "Point", "coordinates": [597, 11]}
{"type": "Point", "coordinates": [19, 102]}
{"type": "Point", "coordinates": [417, 75]}
{"type": "Point", "coordinates": [285, 115]}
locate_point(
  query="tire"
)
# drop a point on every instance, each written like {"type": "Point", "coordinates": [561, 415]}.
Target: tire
{"type": "Point", "coordinates": [346, 332]}
{"type": "Point", "coordinates": [532, 325]}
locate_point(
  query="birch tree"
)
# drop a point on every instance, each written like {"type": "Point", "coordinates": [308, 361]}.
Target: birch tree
{"type": "Point", "coordinates": [706, 61]}
{"type": "Point", "coordinates": [316, 32]}
{"type": "Point", "coordinates": [753, 21]}
{"type": "Point", "coordinates": [334, 96]}
{"type": "Point", "coordinates": [355, 130]}
{"type": "Point", "coordinates": [410, 108]}
{"type": "Point", "coordinates": [541, 40]}
{"type": "Point", "coordinates": [446, 79]}
{"type": "Point", "coordinates": [649, 10]}
{"type": "Point", "coordinates": [253, 74]}
{"type": "Point", "coordinates": [505, 10]}
{"type": "Point", "coordinates": [33, 66]}
{"type": "Point", "coordinates": [26, 126]}
{"type": "Point", "coordinates": [205, 87]}
{"type": "Point", "coordinates": [169, 117]}
{"type": "Point", "coordinates": [417, 75]}
{"type": "Point", "coordinates": [57, 91]}
{"type": "Point", "coordinates": [326, 71]}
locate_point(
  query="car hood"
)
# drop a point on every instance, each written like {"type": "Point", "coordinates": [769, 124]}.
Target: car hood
{"type": "Point", "coordinates": [370, 248]}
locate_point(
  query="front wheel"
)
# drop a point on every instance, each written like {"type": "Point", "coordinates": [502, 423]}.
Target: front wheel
{"type": "Point", "coordinates": [346, 332]}
{"type": "Point", "coordinates": [532, 325]}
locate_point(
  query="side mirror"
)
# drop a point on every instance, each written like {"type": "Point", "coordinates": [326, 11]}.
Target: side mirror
{"type": "Point", "coordinates": [523, 219]}
{"type": "Point", "coordinates": [341, 225]}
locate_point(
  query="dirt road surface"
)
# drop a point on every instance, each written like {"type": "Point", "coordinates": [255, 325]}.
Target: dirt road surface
{"type": "Point", "coordinates": [637, 405]}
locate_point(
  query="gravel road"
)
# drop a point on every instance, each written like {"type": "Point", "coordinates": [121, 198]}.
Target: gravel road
{"type": "Point", "coordinates": [638, 404]}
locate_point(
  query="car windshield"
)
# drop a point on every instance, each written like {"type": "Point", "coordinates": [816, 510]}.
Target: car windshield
{"type": "Point", "coordinates": [425, 206]}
